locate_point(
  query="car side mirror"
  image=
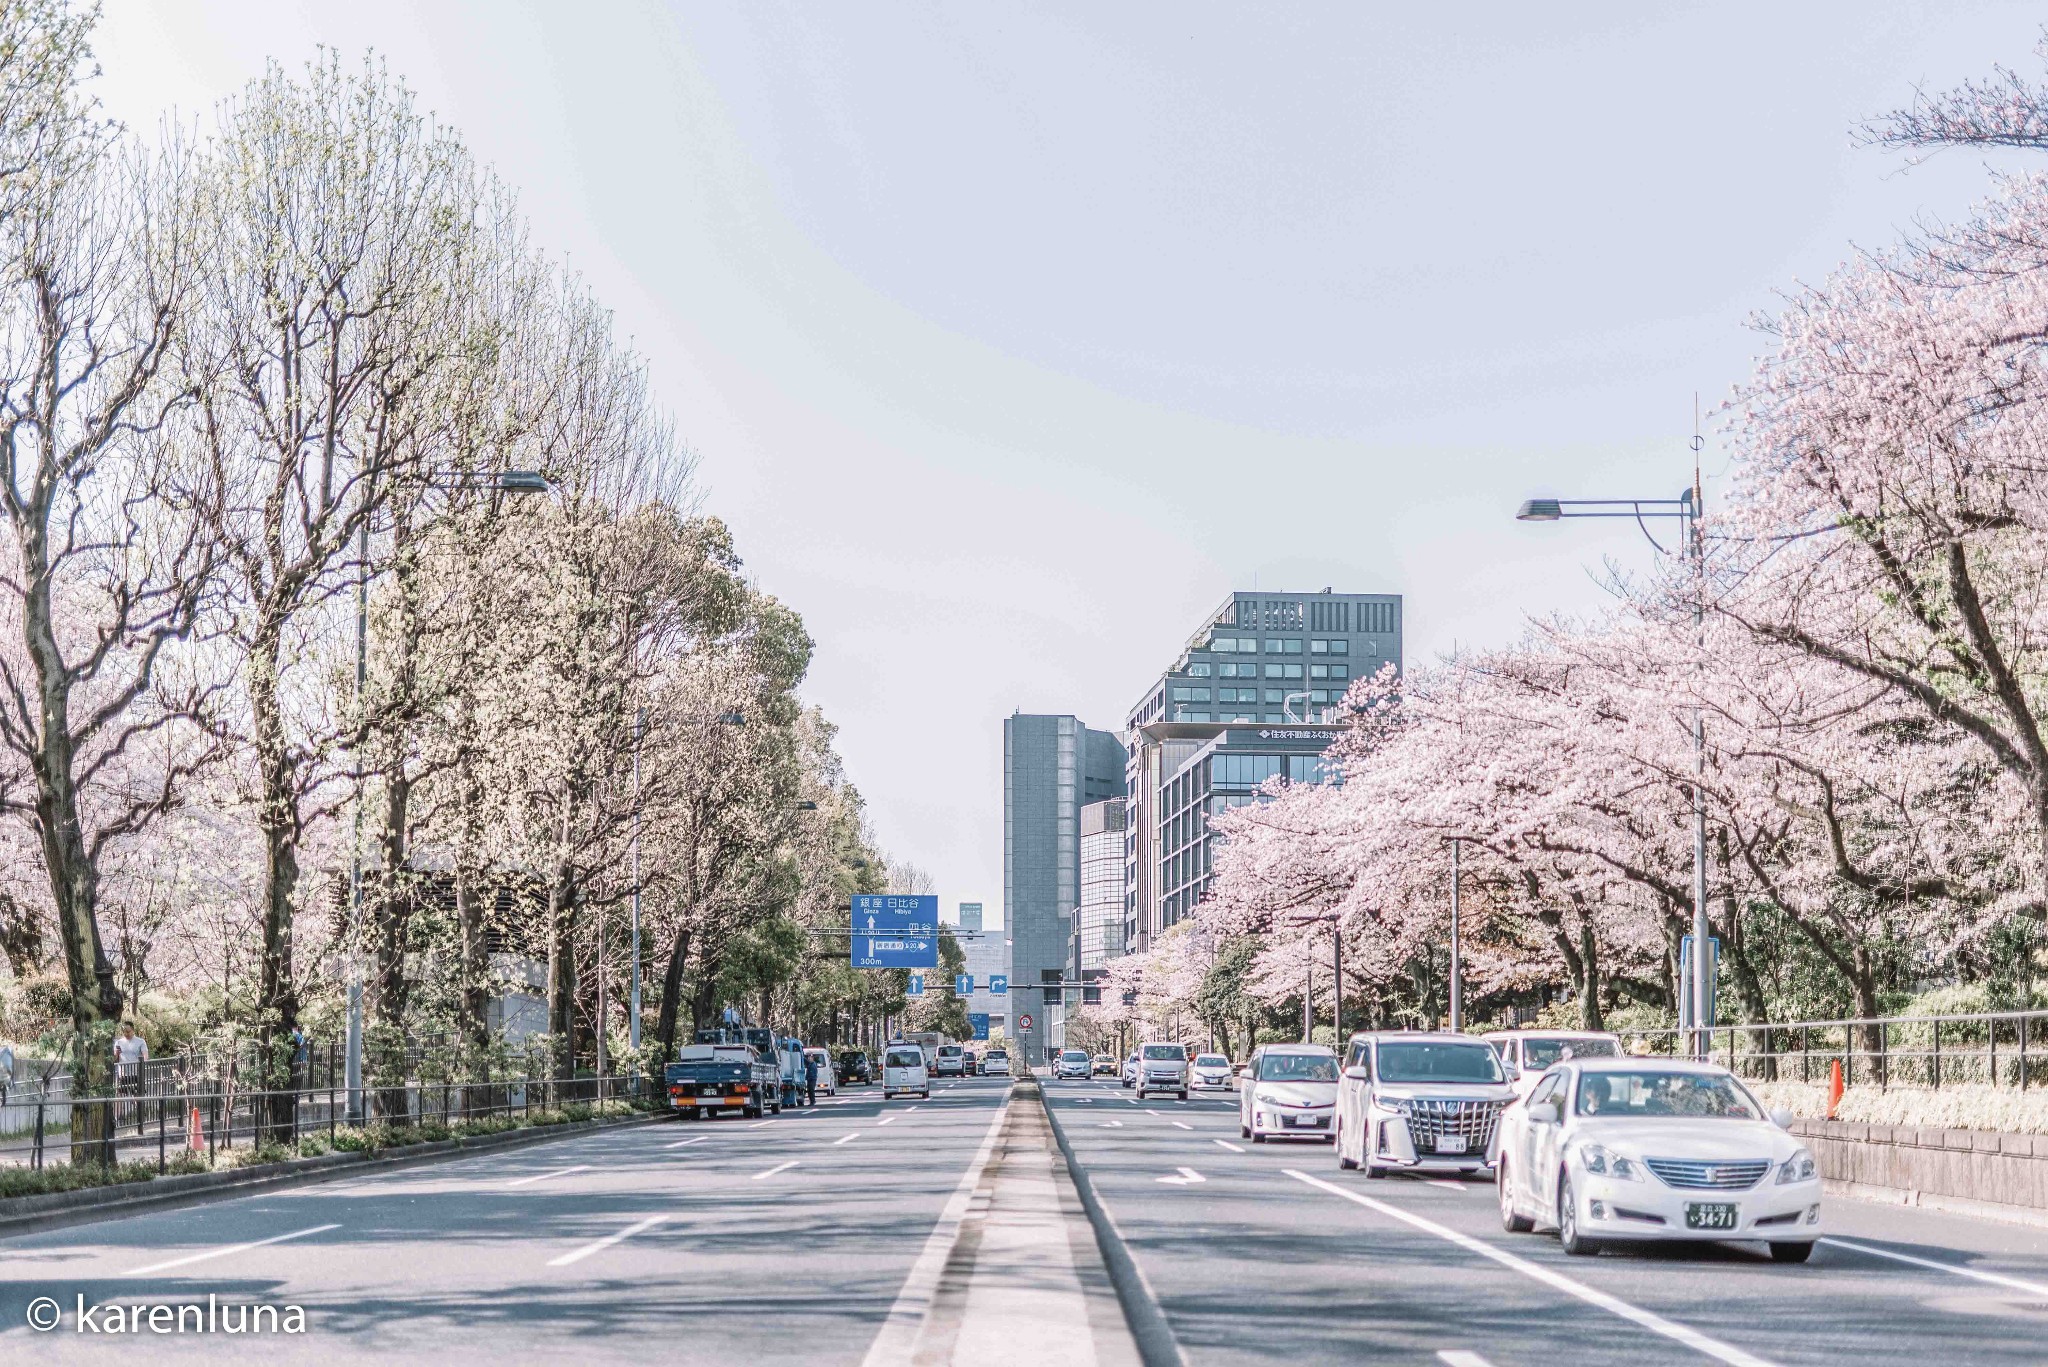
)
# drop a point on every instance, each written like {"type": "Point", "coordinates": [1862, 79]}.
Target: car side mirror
{"type": "Point", "coordinates": [1514, 1073]}
{"type": "Point", "coordinates": [1544, 1113]}
{"type": "Point", "coordinates": [1782, 1118]}
{"type": "Point", "coordinates": [1358, 1074]}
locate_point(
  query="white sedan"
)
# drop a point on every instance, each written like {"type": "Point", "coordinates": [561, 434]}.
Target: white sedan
{"type": "Point", "coordinates": [1289, 1092]}
{"type": "Point", "coordinates": [1628, 1148]}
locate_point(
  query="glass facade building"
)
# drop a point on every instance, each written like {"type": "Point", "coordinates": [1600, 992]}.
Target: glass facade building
{"type": "Point", "coordinates": [1053, 766]}
{"type": "Point", "coordinates": [1099, 919]}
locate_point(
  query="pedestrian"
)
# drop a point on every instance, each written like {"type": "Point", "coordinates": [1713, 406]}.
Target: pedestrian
{"type": "Point", "coordinates": [810, 1078]}
{"type": "Point", "coordinates": [131, 1051]}
{"type": "Point", "coordinates": [302, 1053]}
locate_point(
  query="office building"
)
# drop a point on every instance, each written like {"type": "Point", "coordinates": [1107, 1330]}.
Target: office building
{"type": "Point", "coordinates": [1258, 689]}
{"type": "Point", "coordinates": [1099, 917]}
{"type": "Point", "coordinates": [1053, 766]}
{"type": "Point", "coordinates": [988, 956]}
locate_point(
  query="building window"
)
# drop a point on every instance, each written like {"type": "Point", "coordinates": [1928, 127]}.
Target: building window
{"type": "Point", "coordinates": [1340, 647]}
{"type": "Point", "coordinates": [1276, 671]}
{"type": "Point", "coordinates": [1198, 716]}
{"type": "Point", "coordinates": [1274, 719]}
{"type": "Point", "coordinates": [1199, 669]}
{"type": "Point", "coordinates": [1182, 694]}
{"type": "Point", "coordinates": [1318, 647]}
{"type": "Point", "coordinates": [1319, 695]}
{"type": "Point", "coordinates": [1283, 645]}
{"type": "Point", "coordinates": [1319, 671]}
{"type": "Point", "coordinates": [1276, 695]}
{"type": "Point", "coordinates": [1293, 671]}
{"type": "Point", "coordinates": [1340, 672]}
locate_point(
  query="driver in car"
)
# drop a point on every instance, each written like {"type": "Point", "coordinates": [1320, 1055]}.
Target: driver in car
{"type": "Point", "coordinates": [1593, 1095]}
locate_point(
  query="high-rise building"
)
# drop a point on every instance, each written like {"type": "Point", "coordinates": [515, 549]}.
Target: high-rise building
{"type": "Point", "coordinates": [1053, 766]}
{"type": "Point", "coordinates": [988, 955]}
{"type": "Point", "coordinates": [1099, 918]}
{"type": "Point", "coordinates": [1256, 692]}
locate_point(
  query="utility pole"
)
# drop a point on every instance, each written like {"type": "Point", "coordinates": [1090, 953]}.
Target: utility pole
{"type": "Point", "coordinates": [1457, 983]}
{"type": "Point", "coordinates": [633, 1024]}
{"type": "Point", "coordinates": [353, 1067]}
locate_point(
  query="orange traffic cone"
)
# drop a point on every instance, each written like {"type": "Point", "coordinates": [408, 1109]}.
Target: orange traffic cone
{"type": "Point", "coordinates": [1834, 1087]}
{"type": "Point", "coordinates": [194, 1140]}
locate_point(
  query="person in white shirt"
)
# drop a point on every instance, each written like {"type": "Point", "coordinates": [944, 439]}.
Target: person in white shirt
{"type": "Point", "coordinates": [131, 1051]}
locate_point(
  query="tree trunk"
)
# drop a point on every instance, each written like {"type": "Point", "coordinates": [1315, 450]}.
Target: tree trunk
{"type": "Point", "coordinates": [390, 913]}
{"type": "Point", "coordinates": [671, 997]}
{"type": "Point", "coordinates": [562, 967]}
{"type": "Point", "coordinates": [1589, 980]}
{"type": "Point", "coordinates": [277, 995]}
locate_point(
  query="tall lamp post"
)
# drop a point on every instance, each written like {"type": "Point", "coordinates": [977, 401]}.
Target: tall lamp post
{"type": "Point", "coordinates": [1457, 968]}
{"type": "Point", "coordinates": [1336, 924]}
{"type": "Point", "coordinates": [1687, 508]}
{"type": "Point", "coordinates": [516, 482]}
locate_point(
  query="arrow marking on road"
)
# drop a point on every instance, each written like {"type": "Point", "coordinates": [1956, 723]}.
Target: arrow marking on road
{"type": "Point", "coordinates": [779, 1167]}
{"type": "Point", "coordinates": [606, 1242]}
{"type": "Point", "coordinates": [231, 1248]}
{"type": "Point", "coordinates": [1225, 1143]}
{"type": "Point", "coordinates": [1557, 1281]}
{"type": "Point", "coordinates": [544, 1176]}
{"type": "Point", "coordinates": [1187, 1177]}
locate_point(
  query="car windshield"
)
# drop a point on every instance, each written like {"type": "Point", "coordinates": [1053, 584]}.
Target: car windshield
{"type": "Point", "coordinates": [998, 1054]}
{"type": "Point", "coordinates": [1438, 1061]}
{"type": "Point", "coordinates": [1538, 1054]}
{"type": "Point", "coordinates": [949, 1051]}
{"type": "Point", "coordinates": [905, 1058]}
{"type": "Point", "coordinates": [1297, 1068]}
{"type": "Point", "coordinates": [1211, 1061]}
{"type": "Point", "coordinates": [1175, 1052]}
{"type": "Point", "coordinates": [1650, 1093]}
{"type": "Point", "coordinates": [1073, 1056]}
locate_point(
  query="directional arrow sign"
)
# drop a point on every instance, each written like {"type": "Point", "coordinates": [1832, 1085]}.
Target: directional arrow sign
{"type": "Point", "coordinates": [963, 984]}
{"type": "Point", "coordinates": [1188, 1177]}
{"type": "Point", "coordinates": [998, 985]}
{"type": "Point", "coordinates": [891, 931]}
{"type": "Point", "coordinates": [916, 988]}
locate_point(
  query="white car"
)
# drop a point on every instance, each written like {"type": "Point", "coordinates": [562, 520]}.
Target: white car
{"type": "Point", "coordinates": [1128, 1073]}
{"type": "Point", "coordinates": [828, 1077]}
{"type": "Point", "coordinates": [1073, 1063]}
{"type": "Point", "coordinates": [1213, 1071]}
{"type": "Point", "coordinates": [996, 1063]}
{"type": "Point", "coordinates": [1527, 1053]}
{"type": "Point", "coordinates": [1419, 1102]}
{"type": "Point", "coordinates": [903, 1070]}
{"type": "Point", "coordinates": [1162, 1067]}
{"type": "Point", "coordinates": [1289, 1092]}
{"type": "Point", "coordinates": [1632, 1148]}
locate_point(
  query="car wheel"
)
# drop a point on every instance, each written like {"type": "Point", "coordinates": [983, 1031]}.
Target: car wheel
{"type": "Point", "coordinates": [1244, 1131]}
{"type": "Point", "coordinates": [1510, 1220]}
{"type": "Point", "coordinates": [1372, 1169]}
{"type": "Point", "coordinates": [1183, 1094]}
{"type": "Point", "coordinates": [1343, 1158]}
{"type": "Point", "coordinates": [1574, 1242]}
{"type": "Point", "coordinates": [1141, 1094]}
{"type": "Point", "coordinates": [1791, 1253]}
{"type": "Point", "coordinates": [1258, 1138]}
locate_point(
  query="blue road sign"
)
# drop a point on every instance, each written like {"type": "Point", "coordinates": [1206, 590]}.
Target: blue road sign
{"type": "Point", "coordinates": [891, 931]}
{"type": "Point", "coordinates": [963, 984]}
{"type": "Point", "coordinates": [916, 988]}
{"type": "Point", "coordinates": [998, 985]}
{"type": "Point", "coordinates": [979, 1020]}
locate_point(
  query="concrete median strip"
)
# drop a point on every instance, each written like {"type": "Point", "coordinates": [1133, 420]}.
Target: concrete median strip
{"type": "Point", "coordinates": [1556, 1281]}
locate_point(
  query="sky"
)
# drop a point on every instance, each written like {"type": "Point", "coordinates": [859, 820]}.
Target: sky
{"type": "Point", "coordinates": [1011, 339]}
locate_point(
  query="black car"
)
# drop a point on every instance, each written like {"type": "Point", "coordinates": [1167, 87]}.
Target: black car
{"type": "Point", "coordinates": [854, 1067]}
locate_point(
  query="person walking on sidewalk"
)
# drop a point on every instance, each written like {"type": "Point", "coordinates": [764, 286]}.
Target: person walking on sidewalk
{"type": "Point", "coordinates": [810, 1079]}
{"type": "Point", "coordinates": [131, 1051]}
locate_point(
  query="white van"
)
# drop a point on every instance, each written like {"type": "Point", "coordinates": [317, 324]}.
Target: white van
{"type": "Point", "coordinates": [903, 1070]}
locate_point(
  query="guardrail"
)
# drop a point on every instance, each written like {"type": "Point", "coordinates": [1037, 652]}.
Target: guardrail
{"type": "Point", "coordinates": [1994, 1048]}
{"type": "Point", "coordinates": [134, 1125]}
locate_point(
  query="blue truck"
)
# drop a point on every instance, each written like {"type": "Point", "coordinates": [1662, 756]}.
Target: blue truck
{"type": "Point", "coordinates": [723, 1078]}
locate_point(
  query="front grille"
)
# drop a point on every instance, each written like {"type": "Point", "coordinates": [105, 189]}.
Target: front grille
{"type": "Point", "coordinates": [1704, 1176]}
{"type": "Point", "coordinates": [1475, 1121]}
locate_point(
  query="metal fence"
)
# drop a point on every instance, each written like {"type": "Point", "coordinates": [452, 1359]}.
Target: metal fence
{"type": "Point", "coordinates": [167, 1120]}
{"type": "Point", "coordinates": [1994, 1048]}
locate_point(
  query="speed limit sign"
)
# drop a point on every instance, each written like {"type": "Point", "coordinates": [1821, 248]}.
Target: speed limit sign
{"type": "Point", "coordinates": [1023, 1022]}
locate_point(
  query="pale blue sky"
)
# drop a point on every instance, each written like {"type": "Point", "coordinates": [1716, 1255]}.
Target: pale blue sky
{"type": "Point", "coordinates": [1013, 337]}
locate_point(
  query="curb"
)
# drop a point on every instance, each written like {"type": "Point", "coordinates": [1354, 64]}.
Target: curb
{"type": "Point", "coordinates": [1156, 1343]}
{"type": "Point", "coordinates": [59, 1209]}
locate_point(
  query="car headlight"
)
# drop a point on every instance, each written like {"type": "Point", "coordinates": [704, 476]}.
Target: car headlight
{"type": "Point", "coordinates": [1800, 1167]}
{"type": "Point", "coordinates": [1399, 1105]}
{"type": "Point", "coordinates": [1602, 1161]}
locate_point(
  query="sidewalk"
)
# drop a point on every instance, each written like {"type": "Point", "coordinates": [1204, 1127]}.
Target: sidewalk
{"type": "Point", "coordinates": [1024, 1283]}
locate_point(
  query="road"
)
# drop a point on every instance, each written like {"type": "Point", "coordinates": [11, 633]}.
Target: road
{"type": "Point", "coordinates": [613, 1246]}
{"type": "Point", "coordinates": [804, 1231]}
{"type": "Point", "coordinates": [1275, 1255]}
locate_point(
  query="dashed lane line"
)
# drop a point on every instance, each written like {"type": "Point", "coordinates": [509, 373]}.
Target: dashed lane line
{"type": "Point", "coordinates": [1182, 1124]}
{"type": "Point", "coordinates": [779, 1167]}
{"type": "Point", "coordinates": [885, 1120]}
{"type": "Point", "coordinates": [1990, 1278]}
{"type": "Point", "coordinates": [1225, 1143]}
{"type": "Point", "coordinates": [544, 1176]}
{"type": "Point", "coordinates": [1458, 1357]}
{"type": "Point", "coordinates": [846, 1139]}
{"type": "Point", "coordinates": [211, 1253]}
{"type": "Point", "coordinates": [685, 1143]}
{"type": "Point", "coordinates": [1557, 1281]}
{"type": "Point", "coordinates": [1446, 1182]}
{"type": "Point", "coordinates": [599, 1245]}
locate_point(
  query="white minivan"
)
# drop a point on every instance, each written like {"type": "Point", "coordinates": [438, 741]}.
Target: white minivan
{"type": "Point", "coordinates": [903, 1070]}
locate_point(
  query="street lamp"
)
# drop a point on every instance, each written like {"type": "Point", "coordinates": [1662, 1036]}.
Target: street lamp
{"type": "Point", "coordinates": [1336, 924]}
{"type": "Point", "coordinates": [516, 482]}
{"type": "Point", "coordinates": [1688, 508]}
{"type": "Point", "coordinates": [1457, 975]}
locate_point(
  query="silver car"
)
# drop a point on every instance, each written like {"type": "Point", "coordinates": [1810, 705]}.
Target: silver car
{"type": "Point", "coordinates": [1162, 1068]}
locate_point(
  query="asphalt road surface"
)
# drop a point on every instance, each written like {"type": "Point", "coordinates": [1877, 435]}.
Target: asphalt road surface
{"type": "Point", "coordinates": [786, 1240]}
{"type": "Point", "coordinates": [1275, 1255]}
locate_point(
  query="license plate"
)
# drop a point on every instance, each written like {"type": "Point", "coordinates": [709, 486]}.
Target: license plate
{"type": "Point", "coordinates": [1305, 1120]}
{"type": "Point", "coordinates": [1450, 1143]}
{"type": "Point", "coordinates": [1701, 1215]}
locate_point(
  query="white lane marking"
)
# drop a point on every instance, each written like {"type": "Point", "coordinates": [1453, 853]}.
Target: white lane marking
{"type": "Point", "coordinates": [1557, 1281]}
{"type": "Point", "coordinates": [846, 1139]}
{"type": "Point", "coordinates": [544, 1176]}
{"type": "Point", "coordinates": [759, 1123]}
{"type": "Point", "coordinates": [1150, 1111]}
{"type": "Point", "coordinates": [908, 1109]}
{"type": "Point", "coordinates": [1183, 1125]}
{"type": "Point", "coordinates": [1110, 1125]}
{"type": "Point", "coordinates": [1084, 1100]}
{"type": "Point", "coordinates": [1446, 1182]}
{"type": "Point", "coordinates": [1458, 1357]}
{"type": "Point", "coordinates": [231, 1248]}
{"type": "Point", "coordinates": [884, 1121]}
{"type": "Point", "coordinates": [897, 1338]}
{"type": "Point", "coordinates": [599, 1245]}
{"type": "Point", "coordinates": [1188, 1176]}
{"type": "Point", "coordinates": [779, 1167]}
{"type": "Point", "coordinates": [685, 1143]}
{"type": "Point", "coordinates": [1992, 1278]}
{"type": "Point", "coordinates": [1234, 1148]}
